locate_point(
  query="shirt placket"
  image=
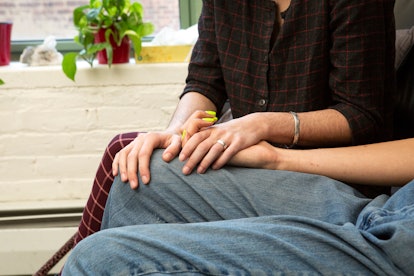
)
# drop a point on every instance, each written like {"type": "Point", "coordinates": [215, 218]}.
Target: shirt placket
{"type": "Point", "coordinates": [262, 97]}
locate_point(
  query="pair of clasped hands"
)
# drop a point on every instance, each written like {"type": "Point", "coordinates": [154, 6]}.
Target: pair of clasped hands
{"type": "Point", "coordinates": [200, 143]}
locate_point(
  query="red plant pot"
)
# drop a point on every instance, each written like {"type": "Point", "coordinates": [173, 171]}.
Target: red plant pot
{"type": "Point", "coordinates": [121, 53]}
{"type": "Point", "coordinates": [5, 35]}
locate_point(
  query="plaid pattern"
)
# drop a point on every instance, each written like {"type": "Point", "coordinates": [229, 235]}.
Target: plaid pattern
{"type": "Point", "coordinates": [328, 54]}
{"type": "Point", "coordinates": [93, 212]}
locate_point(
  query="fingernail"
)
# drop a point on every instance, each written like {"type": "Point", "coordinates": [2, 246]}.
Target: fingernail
{"type": "Point", "coordinates": [144, 179]}
{"type": "Point", "coordinates": [210, 112]}
{"type": "Point", "coordinates": [210, 120]}
{"type": "Point", "coordinates": [200, 170]}
{"type": "Point", "coordinates": [182, 157]}
{"type": "Point", "coordinates": [132, 183]}
{"type": "Point", "coordinates": [167, 156]}
{"type": "Point", "coordinates": [123, 177]}
{"type": "Point", "coordinates": [183, 134]}
{"type": "Point", "coordinates": [186, 170]}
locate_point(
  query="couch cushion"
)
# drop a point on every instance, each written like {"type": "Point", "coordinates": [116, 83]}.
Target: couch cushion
{"type": "Point", "coordinates": [404, 101]}
{"type": "Point", "coordinates": [404, 41]}
{"type": "Point", "coordinates": [403, 11]}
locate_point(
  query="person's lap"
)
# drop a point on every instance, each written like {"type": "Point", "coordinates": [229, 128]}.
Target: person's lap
{"type": "Point", "coordinates": [243, 221]}
{"type": "Point", "coordinates": [229, 193]}
{"type": "Point", "coordinates": [252, 246]}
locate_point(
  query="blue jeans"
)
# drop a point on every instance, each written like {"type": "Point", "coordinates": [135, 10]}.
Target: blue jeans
{"type": "Point", "coordinates": [237, 221]}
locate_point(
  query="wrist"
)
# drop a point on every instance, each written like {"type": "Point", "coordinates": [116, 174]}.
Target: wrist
{"type": "Point", "coordinates": [296, 129]}
{"type": "Point", "coordinates": [286, 159]}
{"type": "Point", "coordinates": [263, 124]}
{"type": "Point", "coordinates": [274, 158]}
{"type": "Point", "coordinates": [282, 128]}
{"type": "Point", "coordinates": [173, 131]}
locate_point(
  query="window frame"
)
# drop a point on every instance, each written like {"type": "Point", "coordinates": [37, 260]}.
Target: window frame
{"type": "Point", "coordinates": [189, 13]}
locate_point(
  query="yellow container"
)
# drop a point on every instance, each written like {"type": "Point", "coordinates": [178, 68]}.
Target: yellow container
{"type": "Point", "coordinates": [179, 53]}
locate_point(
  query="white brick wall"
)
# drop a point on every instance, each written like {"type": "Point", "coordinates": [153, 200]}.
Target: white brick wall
{"type": "Point", "coordinates": [53, 131]}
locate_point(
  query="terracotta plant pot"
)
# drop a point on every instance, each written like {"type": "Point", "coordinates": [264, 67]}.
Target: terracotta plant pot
{"type": "Point", "coordinates": [121, 54]}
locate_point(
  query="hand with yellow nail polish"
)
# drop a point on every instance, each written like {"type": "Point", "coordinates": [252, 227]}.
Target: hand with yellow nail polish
{"type": "Point", "coordinates": [196, 122]}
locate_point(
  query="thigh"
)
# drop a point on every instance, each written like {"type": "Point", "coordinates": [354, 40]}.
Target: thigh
{"type": "Point", "coordinates": [390, 226]}
{"type": "Point", "coordinates": [229, 193]}
{"type": "Point", "coordinates": [94, 209]}
{"type": "Point", "coordinates": [251, 246]}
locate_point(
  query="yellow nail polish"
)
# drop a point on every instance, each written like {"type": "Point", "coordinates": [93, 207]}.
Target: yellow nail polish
{"type": "Point", "coordinates": [210, 112]}
{"type": "Point", "coordinates": [210, 120]}
{"type": "Point", "coordinates": [183, 134]}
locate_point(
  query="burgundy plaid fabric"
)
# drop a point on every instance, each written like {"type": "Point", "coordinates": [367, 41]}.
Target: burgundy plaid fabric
{"type": "Point", "coordinates": [328, 54]}
{"type": "Point", "coordinates": [93, 212]}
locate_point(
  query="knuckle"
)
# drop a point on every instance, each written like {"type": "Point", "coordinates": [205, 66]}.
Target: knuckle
{"type": "Point", "coordinates": [198, 113]}
{"type": "Point", "coordinates": [204, 147]}
{"type": "Point", "coordinates": [142, 154]}
{"type": "Point", "coordinates": [197, 136]}
{"type": "Point", "coordinates": [131, 156]}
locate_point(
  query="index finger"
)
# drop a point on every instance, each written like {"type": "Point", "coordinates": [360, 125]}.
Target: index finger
{"type": "Point", "coordinates": [151, 142]}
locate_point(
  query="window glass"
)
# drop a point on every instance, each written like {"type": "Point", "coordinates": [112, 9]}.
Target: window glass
{"type": "Point", "coordinates": [37, 19]}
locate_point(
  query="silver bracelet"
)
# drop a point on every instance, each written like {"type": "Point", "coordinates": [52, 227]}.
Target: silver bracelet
{"type": "Point", "coordinates": [297, 129]}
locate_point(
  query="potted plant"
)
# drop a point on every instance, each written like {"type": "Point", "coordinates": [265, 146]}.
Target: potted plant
{"type": "Point", "coordinates": [103, 26]}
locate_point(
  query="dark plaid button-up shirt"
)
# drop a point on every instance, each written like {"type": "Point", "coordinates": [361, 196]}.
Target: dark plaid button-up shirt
{"type": "Point", "coordinates": [335, 54]}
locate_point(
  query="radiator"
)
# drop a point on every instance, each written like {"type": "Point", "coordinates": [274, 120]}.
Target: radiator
{"type": "Point", "coordinates": [30, 233]}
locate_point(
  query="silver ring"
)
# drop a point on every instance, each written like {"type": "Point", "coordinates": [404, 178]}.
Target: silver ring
{"type": "Point", "coordinates": [221, 142]}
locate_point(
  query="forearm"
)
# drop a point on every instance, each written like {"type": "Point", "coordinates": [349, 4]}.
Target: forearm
{"type": "Point", "coordinates": [317, 128]}
{"type": "Point", "coordinates": [361, 76]}
{"type": "Point", "coordinates": [388, 163]}
{"type": "Point", "coordinates": [187, 105]}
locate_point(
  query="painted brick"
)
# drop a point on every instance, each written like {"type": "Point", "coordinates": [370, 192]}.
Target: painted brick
{"type": "Point", "coordinates": [53, 132]}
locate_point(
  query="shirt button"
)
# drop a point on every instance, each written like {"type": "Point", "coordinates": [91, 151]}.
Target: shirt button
{"type": "Point", "coordinates": [265, 58]}
{"type": "Point", "coordinates": [261, 102]}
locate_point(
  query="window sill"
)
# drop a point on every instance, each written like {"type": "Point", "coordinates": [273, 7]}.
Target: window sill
{"type": "Point", "coordinates": [18, 75]}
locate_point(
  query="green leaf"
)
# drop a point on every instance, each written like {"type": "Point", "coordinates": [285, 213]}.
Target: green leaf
{"type": "Point", "coordinates": [147, 29]}
{"type": "Point", "coordinates": [69, 65]}
{"type": "Point", "coordinates": [95, 3]}
{"type": "Point", "coordinates": [109, 54]}
{"type": "Point", "coordinates": [93, 49]}
{"type": "Point", "coordinates": [137, 8]}
{"type": "Point", "coordinates": [88, 38]}
{"type": "Point", "coordinates": [93, 15]}
{"type": "Point", "coordinates": [108, 34]}
{"type": "Point", "coordinates": [136, 42]}
{"type": "Point", "coordinates": [130, 32]}
{"type": "Point", "coordinates": [78, 14]}
{"type": "Point", "coordinates": [1, 82]}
